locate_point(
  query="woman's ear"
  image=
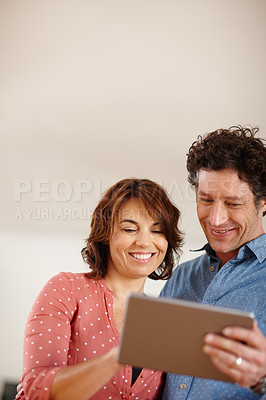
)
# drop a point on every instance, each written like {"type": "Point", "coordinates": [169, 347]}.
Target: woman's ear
{"type": "Point", "coordinates": [263, 202]}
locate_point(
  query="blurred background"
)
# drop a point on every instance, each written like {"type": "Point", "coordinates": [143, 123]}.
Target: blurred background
{"type": "Point", "coordinates": [95, 91]}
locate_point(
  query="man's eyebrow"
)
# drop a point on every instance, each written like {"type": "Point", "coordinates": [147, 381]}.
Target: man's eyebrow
{"type": "Point", "coordinates": [235, 198]}
{"type": "Point", "coordinates": [202, 193]}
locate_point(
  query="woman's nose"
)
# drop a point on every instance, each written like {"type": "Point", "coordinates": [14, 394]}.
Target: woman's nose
{"type": "Point", "coordinates": [143, 239]}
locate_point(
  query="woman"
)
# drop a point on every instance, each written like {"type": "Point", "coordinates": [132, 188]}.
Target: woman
{"type": "Point", "coordinates": [72, 333]}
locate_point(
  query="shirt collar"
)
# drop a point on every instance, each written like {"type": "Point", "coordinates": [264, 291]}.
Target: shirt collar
{"type": "Point", "coordinates": [256, 246]}
{"type": "Point", "coordinates": [208, 250]}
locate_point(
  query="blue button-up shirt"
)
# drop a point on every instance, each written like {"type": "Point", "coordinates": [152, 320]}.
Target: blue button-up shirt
{"type": "Point", "coordinates": [239, 284]}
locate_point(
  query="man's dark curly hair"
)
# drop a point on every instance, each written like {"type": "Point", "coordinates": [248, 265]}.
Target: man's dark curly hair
{"type": "Point", "coordinates": [235, 148]}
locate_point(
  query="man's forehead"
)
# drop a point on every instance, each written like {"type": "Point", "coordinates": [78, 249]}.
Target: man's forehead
{"type": "Point", "coordinates": [225, 182]}
{"type": "Point", "coordinates": [228, 176]}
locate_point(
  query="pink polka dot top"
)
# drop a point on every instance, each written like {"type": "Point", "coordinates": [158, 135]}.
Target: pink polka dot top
{"type": "Point", "coordinates": [70, 322]}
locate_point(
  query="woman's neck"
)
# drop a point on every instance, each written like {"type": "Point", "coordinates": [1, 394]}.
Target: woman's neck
{"type": "Point", "coordinates": [121, 287]}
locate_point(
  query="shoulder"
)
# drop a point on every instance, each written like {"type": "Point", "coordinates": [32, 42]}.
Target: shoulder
{"type": "Point", "coordinates": [68, 281]}
{"type": "Point", "coordinates": [191, 266]}
{"type": "Point", "coordinates": [184, 273]}
{"type": "Point", "coordinates": [258, 247]}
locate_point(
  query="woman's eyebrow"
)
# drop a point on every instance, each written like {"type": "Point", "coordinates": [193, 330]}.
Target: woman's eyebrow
{"type": "Point", "coordinates": [156, 223]}
{"type": "Point", "coordinates": [131, 221]}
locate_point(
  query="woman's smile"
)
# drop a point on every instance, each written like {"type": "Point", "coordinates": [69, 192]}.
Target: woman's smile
{"type": "Point", "coordinates": [137, 245]}
{"type": "Point", "coordinates": [142, 256]}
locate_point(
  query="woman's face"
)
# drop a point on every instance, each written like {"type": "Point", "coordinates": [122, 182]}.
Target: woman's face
{"type": "Point", "coordinates": [137, 246]}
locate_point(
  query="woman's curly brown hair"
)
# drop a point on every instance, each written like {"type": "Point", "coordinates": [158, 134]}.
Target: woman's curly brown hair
{"type": "Point", "coordinates": [235, 148]}
{"type": "Point", "coordinates": [158, 205]}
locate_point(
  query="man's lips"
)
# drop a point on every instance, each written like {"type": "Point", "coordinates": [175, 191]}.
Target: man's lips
{"type": "Point", "coordinates": [221, 231]}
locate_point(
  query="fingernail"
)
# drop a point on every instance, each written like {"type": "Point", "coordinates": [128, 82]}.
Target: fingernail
{"type": "Point", "coordinates": [205, 349]}
{"type": "Point", "coordinates": [227, 331]}
{"type": "Point", "coordinates": [208, 338]}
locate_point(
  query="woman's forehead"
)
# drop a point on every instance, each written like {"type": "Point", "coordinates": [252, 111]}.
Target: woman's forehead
{"type": "Point", "coordinates": [134, 209]}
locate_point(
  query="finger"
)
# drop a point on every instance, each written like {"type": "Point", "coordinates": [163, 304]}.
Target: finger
{"type": "Point", "coordinates": [19, 394]}
{"type": "Point", "coordinates": [19, 387]}
{"type": "Point", "coordinates": [244, 374]}
{"type": "Point", "coordinates": [253, 337]}
{"type": "Point", "coordinates": [255, 325]}
{"type": "Point", "coordinates": [223, 361]}
{"type": "Point", "coordinates": [252, 355]}
{"type": "Point", "coordinates": [224, 357]}
{"type": "Point", "coordinates": [222, 343]}
{"type": "Point", "coordinates": [238, 375]}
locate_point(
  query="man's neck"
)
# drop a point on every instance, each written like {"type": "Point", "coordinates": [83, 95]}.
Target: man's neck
{"type": "Point", "coordinates": [225, 257]}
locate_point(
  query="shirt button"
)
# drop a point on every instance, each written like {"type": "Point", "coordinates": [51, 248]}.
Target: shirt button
{"type": "Point", "coordinates": [212, 269]}
{"type": "Point", "coordinates": [183, 386]}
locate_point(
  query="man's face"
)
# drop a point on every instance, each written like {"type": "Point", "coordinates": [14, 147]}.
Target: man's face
{"type": "Point", "coordinates": [227, 211]}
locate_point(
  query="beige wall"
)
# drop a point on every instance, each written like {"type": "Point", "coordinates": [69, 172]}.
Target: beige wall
{"type": "Point", "coordinates": [95, 91]}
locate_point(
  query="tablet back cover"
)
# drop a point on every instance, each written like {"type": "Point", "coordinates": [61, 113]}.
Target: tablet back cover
{"type": "Point", "coordinates": [167, 334]}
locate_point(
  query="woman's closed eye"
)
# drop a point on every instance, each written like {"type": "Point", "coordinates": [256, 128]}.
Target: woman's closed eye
{"type": "Point", "coordinates": [157, 232]}
{"type": "Point", "coordinates": [129, 230]}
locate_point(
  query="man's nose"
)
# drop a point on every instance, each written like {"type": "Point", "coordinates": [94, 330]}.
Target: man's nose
{"type": "Point", "coordinates": [218, 214]}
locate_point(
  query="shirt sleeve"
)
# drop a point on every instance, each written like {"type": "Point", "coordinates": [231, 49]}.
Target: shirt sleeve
{"type": "Point", "coordinates": [47, 336]}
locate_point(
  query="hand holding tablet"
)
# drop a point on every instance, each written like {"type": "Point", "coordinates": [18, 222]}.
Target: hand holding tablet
{"type": "Point", "coordinates": [167, 334]}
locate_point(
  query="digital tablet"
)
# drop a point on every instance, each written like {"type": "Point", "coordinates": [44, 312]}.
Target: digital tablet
{"type": "Point", "coordinates": [167, 334]}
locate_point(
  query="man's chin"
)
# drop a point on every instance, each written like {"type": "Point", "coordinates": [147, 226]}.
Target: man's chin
{"type": "Point", "coordinates": [221, 248]}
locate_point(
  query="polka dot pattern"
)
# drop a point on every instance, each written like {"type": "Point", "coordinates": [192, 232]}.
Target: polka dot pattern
{"type": "Point", "coordinates": [70, 322]}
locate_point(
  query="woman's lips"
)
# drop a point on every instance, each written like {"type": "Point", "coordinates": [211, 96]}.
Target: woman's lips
{"type": "Point", "coordinates": [142, 256]}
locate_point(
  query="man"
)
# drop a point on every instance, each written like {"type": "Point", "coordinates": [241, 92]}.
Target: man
{"type": "Point", "coordinates": [227, 168]}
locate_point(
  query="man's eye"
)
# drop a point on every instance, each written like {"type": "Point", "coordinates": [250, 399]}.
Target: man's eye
{"type": "Point", "coordinates": [234, 204]}
{"type": "Point", "coordinates": [206, 200]}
